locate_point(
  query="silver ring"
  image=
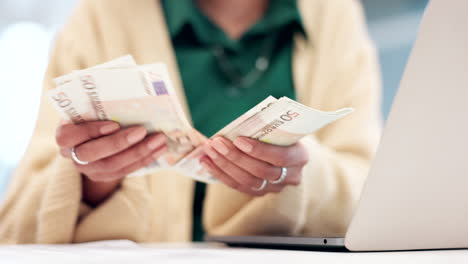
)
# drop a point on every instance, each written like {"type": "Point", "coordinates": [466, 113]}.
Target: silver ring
{"type": "Point", "coordinates": [282, 177]}
{"type": "Point", "coordinates": [264, 184]}
{"type": "Point", "coordinates": [76, 159]}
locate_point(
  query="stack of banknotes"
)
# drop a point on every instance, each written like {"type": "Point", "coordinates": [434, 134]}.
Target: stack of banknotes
{"type": "Point", "coordinates": [131, 94]}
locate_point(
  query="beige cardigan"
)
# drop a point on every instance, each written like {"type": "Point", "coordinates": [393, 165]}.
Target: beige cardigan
{"type": "Point", "coordinates": [335, 68]}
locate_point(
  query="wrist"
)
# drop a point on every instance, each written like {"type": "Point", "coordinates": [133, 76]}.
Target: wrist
{"type": "Point", "coordinates": [95, 192]}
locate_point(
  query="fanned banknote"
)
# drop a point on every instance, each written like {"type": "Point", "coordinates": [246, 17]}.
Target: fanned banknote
{"type": "Point", "coordinates": [280, 122]}
{"type": "Point", "coordinates": [131, 94]}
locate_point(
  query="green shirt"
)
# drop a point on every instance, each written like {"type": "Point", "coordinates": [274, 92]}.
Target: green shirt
{"type": "Point", "coordinates": [214, 67]}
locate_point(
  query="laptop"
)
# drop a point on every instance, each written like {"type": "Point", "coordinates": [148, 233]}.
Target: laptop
{"type": "Point", "coordinates": [416, 193]}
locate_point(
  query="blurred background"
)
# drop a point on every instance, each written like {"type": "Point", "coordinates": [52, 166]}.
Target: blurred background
{"type": "Point", "coordinates": [27, 28]}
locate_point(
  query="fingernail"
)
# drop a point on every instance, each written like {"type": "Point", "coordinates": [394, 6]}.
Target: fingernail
{"type": "Point", "coordinates": [203, 158]}
{"type": "Point", "coordinates": [243, 145]}
{"type": "Point", "coordinates": [204, 164]}
{"type": "Point", "coordinates": [155, 142]}
{"type": "Point", "coordinates": [210, 152]}
{"type": "Point", "coordinates": [136, 135]}
{"type": "Point", "coordinates": [107, 129]}
{"type": "Point", "coordinates": [219, 146]}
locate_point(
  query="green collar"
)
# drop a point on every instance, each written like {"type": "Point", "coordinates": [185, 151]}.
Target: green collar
{"type": "Point", "coordinates": [179, 13]}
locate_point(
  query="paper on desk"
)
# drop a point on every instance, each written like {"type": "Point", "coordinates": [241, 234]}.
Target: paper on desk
{"type": "Point", "coordinates": [117, 252]}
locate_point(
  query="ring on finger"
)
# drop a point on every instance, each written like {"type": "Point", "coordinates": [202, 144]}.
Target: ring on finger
{"type": "Point", "coordinates": [282, 177]}
{"type": "Point", "coordinates": [76, 159]}
{"type": "Point", "coordinates": [264, 184]}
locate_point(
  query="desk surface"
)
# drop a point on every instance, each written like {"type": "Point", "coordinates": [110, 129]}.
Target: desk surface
{"type": "Point", "coordinates": [128, 252]}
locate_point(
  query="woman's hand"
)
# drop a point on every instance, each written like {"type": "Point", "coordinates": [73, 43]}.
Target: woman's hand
{"type": "Point", "coordinates": [111, 153]}
{"type": "Point", "coordinates": [246, 164]}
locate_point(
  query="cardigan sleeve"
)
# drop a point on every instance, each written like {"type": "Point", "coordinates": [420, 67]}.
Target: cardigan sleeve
{"type": "Point", "coordinates": [339, 154]}
{"type": "Point", "coordinates": [44, 200]}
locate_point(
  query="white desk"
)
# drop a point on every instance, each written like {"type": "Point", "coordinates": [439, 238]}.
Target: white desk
{"type": "Point", "coordinates": [117, 252]}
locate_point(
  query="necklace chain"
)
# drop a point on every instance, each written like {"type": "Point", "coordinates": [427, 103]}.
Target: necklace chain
{"type": "Point", "coordinates": [240, 82]}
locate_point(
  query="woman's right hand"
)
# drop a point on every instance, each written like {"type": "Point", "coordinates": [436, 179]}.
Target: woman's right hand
{"type": "Point", "coordinates": [111, 153]}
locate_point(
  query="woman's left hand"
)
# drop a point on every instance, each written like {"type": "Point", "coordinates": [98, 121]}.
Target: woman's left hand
{"type": "Point", "coordinates": [252, 167]}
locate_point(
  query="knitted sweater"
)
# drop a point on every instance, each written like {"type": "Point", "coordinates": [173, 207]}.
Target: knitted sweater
{"type": "Point", "coordinates": [335, 67]}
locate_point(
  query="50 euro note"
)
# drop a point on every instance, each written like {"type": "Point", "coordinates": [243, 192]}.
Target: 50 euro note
{"type": "Point", "coordinates": [130, 95]}
{"type": "Point", "coordinates": [122, 62]}
{"type": "Point", "coordinates": [72, 102]}
{"type": "Point", "coordinates": [280, 122]}
{"type": "Point", "coordinates": [171, 120]}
